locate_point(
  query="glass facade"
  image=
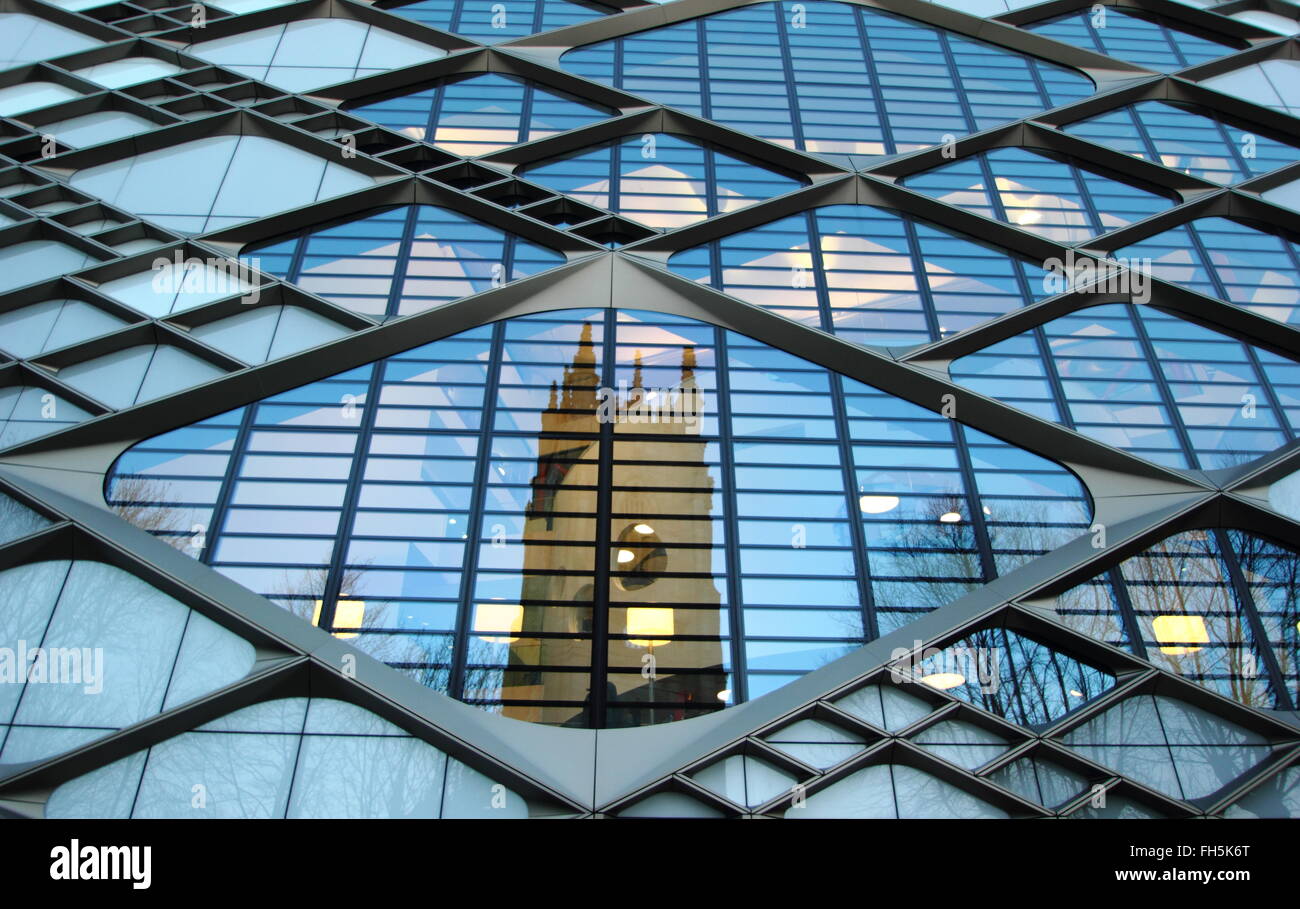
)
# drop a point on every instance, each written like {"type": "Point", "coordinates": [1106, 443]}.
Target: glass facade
{"type": "Point", "coordinates": [697, 384]}
{"type": "Point", "coordinates": [868, 274]}
{"type": "Point", "coordinates": [474, 115]}
{"type": "Point", "coordinates": [1146, 381]}
{"type": "Point", "coordinates": [445, 511]}
{"type": "Point", "coordinates": [829, 77]}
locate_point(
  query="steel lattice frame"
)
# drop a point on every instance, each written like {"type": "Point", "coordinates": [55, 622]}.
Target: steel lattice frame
{"type": "Point", "coordinates": [583, 772]}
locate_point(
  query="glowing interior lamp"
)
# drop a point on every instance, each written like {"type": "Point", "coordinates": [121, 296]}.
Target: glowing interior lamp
{"type": "Point", "coordinates": [877, 504]}
{"type": "Point", "coordinates": [650, 621]}
{"type": "Point", "coordinates": [347, 614]}
{"type": "Point", "coordinates": [1076, 693]}
{"type": "Point", "coordinates": [499, 617]}
{"type": "Point", "coordinates": [625, 556]}
{"type": "Point", "coordinates": [944, 680]}
{"type": "Point", "coordinates": [1180, 630]}
{"type": "Point", "coordinates": [950, 517]}
{"type": "Point", "coordinates": [644, 529]}
{"type": "Point", "coordinates": [725, 695]}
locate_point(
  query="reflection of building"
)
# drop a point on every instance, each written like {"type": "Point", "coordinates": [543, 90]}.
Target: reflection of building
{"type": "Point", "coordinates": [660, 556]}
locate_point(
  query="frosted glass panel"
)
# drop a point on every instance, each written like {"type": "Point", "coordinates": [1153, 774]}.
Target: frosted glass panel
{"type": "Point", "coordinates": [127, 71]}
{"type": "Point", "coordinates": [138, 374]}
{"type": "Point", "coordinates": [961, 743]}
{"type": "Point", "coordinates": [100, 126]}
{"type": "Point", "coordinates": [268, 333]}
{"type": "Point", "coordinates": [102, 657]}
{"type": "Point", "coordinates": [470, 794]}
{"type": "Point", "coordinates": [217, 181]}
{"type": "Point", "coordinates": [52, 324]}
{"type": "Point", "coordinates": [36, 260]}
{"type": "Point", "coordinates": [1278, 796]}
{"type": "Point", "coordinates": [868, 793]}
{"type": "Point", "coordinates": [311, 53]}
{"type": "Point", "coordinates": [161, 291]}
{"type": "Point", "coordinates": [243, 776]}
{"type": "Point", "coordinates": [28, 413]}
{"type": "Point", "coordinates": [669, 804]}
{"type": "Point", "coordinates": [28, 96]}
{"type": "Point", "coordinates": [367, 776]}
{"type": "Point", "coordinates": [921, 795]}
{"type": "Point", "coordinates": [25, 39]}
{"type": "Point", "coordinates": [17, 520]}
{"type": "Point", "coordinates": [745, 780]}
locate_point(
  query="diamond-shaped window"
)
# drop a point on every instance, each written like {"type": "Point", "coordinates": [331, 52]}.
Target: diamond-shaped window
{"type": "Point", "coordinates": [503, 20]}
{"type": "Point", "coordinates": [101, 650]}
{"type": "Point", "coordinates": [216, 182]}
{"type": "Point", "coordinates": [402, 260]}
{"type": "Point", "coordinates": [843, 63]}
{"type": "Point", "coordinates": [1199, 604]}
{"type": "Point", "coordinates": [1047, 194]}
{"type": "Point", "coordinates": [1146, 381]}
{"type": "Point", "coordinates": [467, 470]}
{"type": "Point", "coordinates": [1254, 268]}
{"type": "Point", "coordinates": [311, 53]}
{"type": "Point", "coordinates": [1009, 674]}
{"type": "Point", "coordinates": [849, 270]}
{"type": "Point", "coordinates": [475, 115]}
{"type": "Point", "coordinates": [660, 180]}
{"type": "Point", "coordinates": [1170, 745]}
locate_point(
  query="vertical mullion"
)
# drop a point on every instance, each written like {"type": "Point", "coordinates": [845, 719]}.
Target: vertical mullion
{"type": "Point", "coordinates": [848, 467]}
{"type": "Point", "coordinates": [1162, 386]}
{"type": "Point", "coordinates": [787, 66]}
{"type": "Point", "coordinates": [474, 530]}
{"type": "Point", "coordinates": [877, 90]}
{"type": "Point", "coordinates": [238, 450]}
{"type": "Point", "coordinates": [730, 516]}
{"type": "Point", "coordinates": [604, 509]}
{"type": "Point", "coordinates": [1250, 614]}
{"type": "Point", "coordinates": [356, 475]}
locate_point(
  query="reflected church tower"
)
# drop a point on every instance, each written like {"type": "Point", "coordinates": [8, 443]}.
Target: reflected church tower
{"type": "Point", "coordinates": [661, 535]}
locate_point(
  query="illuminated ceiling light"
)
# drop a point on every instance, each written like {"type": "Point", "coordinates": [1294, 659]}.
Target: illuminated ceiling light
{"type": "Point", "coordinates": [651, 621]}
{"type": "Point", "coordinates": [1076, 693]}
{"type": "Point", "coordinates": [724, 695]}
{"type": "Point", "coordinates": [625, 556]}
{"type": "Point", "coordinates": [498, 617]}
{"type": "Point", "coordinates": [944, 680]}
{"type": "Point", "coordinates": [347, 614]}
{"type": "Point", "coordinates": [1180, 630]}
{"type": "Point", "coordinates": [644, 529]}
{"type": "Point", "coordinates": [950, 517]}
{"type": "Point", "coordinates": [986, 510]}
{"type": "Point", "coordinates": [877, 504]}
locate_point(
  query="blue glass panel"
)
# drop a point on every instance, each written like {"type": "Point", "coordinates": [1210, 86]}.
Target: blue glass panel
{"type": "Point", "coordinates": [479, 114]}
{"type": "Point", "coordinates": [1141, 38]}
{"type": "Point", "coordinates": [439, 509]}
{"type": "Point", "coordinates": [1145, 381]}
{"type": "Point", "coordinates": [1228, 259]}
{"type": "Point", "coordinates": [500, 20]}
{"type": "Point", "coordinates": [1218, 607]}
{"type": "Point", "coordinates": [402, 260]}
{"type": "Point", "coordinates": [829, 77]}
{"type": "Point", "coordinates": [660, 180]}
{"type": "Point", "coordinates": [1187, 138]}
{"type": "Point", "coordinates": [1053, 197]}
{"type": "Point", "coordinates": [867, 274]}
